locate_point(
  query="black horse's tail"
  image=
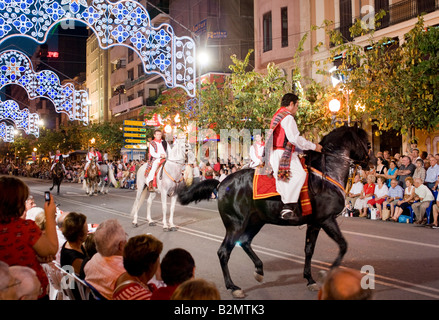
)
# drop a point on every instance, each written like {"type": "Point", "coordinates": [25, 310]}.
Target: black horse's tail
{"type": "Point", "coordinates": [197, 192]}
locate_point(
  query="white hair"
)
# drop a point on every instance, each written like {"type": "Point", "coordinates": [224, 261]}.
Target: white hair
{"type": "Point", "coordinates": [29, 287]}
{"type": "Point", "coordinates": [108, 237]}
{"type": "Point", "coordinates": [33, 212]}
{"type": "Point", "coordinates": [4, 275]}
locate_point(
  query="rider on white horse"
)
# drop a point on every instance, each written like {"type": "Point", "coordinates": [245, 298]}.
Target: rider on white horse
{"type": "Point", "coordinates": [90, 156]}
{"type": "Point", "coordinates": [58, 157]}
{"type": "Point", "coordinates": [157, 151]}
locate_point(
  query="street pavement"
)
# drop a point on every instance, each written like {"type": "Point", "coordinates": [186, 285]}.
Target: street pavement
{"type": "Point", "coordinates": [400, 260]}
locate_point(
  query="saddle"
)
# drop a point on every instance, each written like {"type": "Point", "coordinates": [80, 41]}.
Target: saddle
{"type": "Point", "coordinates": [264, 186]}
{"type": "Point", "coordinates": [148, 170]}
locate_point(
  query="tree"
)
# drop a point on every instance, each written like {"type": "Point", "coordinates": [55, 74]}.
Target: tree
{"type": "Point", "coordinates": [397, 84]}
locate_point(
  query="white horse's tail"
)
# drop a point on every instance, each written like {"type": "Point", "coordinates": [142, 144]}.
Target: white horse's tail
{"type": "Point", "coordinates": [84, 185]}
{"type": "Point", "coordinates": [111, 176]}
{"type": "Point", "coordinates": [138, 202]}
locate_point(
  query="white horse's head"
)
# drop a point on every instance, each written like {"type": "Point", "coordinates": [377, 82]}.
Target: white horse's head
{"type": "Point", "coordinates": [177, 151]}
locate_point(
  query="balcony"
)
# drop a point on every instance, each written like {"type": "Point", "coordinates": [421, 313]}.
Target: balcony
{"type": "Point", "coordinates": [397, 13]}
{"type": "Point", "coordinates": [119, 103]}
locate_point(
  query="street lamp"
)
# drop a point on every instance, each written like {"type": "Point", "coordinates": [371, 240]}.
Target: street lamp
{"type": "Point", "coordinates": [334, 107]}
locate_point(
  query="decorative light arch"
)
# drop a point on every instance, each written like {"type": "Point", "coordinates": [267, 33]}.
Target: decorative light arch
{"type": "Point", "coordinates": [23, 119]}
{"type": "Point", "coordinates": [16, 68]}
{"type": "Point", "coordinates": [6, 132]}
{"type": "Point", "coordinates": [126, 23]}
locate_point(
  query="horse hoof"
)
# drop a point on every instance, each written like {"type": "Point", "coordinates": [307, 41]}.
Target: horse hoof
{"type": "Point", "coordinates": [135, 225]}
{"type": "Point", "coordinates": [238, 294]}
{"type": "Point", "coordinates": [166, 229]}
{"type": "Point", "coordinates": [173, 229]}
{"type": "Point", "coordinates": [258, 277]}
{"type": "Point", "coordinates": [313, 287]}
{"type": "Point", "coordinates": [152, 224]}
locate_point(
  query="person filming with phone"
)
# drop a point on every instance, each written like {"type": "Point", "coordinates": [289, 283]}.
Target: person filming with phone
{"type": "Point", "coordinates": [23, 243]}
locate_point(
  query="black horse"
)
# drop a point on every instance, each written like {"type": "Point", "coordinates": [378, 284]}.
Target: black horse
{"type": "Point", "coordinates": [57, 176]}
{"type": "Point", "coordinates": [244, 217]}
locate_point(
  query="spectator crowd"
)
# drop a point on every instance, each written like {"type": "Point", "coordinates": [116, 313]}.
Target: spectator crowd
{"type": "Point", "coordinates": [398, 186]}
{"type": "Point", "coordinates": [116, 267]}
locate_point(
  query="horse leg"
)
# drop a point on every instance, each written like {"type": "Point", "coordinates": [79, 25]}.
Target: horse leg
{"type": "Point", "coordinates": [148, 208]}
{"type": "Point", "coordinates": [312, 232]}
{"type": "Point", "coordinates": [224, 252]}
{"type": "Point", "coordinates": [330, 226]}
{"type": "Point", "coordinates": [245, 242]}
{"type": "Point", "coordinates": [57, 190]}
{"type": "Point", "coordinates": [164, 198]}
{"type": "Point", "coordinates": [172, 226]}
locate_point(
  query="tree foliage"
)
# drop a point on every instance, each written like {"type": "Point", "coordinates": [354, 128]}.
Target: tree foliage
{"type": "Point", "coordinates": [397, 84]}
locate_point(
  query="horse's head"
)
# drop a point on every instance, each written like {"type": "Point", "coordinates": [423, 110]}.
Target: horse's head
{"type": "Point", "coordinates": [177, 151]}
{"type": "Point", "coordinates": [351, 143]}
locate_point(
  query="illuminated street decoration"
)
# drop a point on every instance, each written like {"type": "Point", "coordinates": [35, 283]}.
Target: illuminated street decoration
{"type": "Point", "coordinates": [125, 23]}
{"type": "Point", "coordinates": [16, 68]}
{"type": "Point", "coordinates": [6, 132]}
{"type": "Point", "coordinates": [23, 119]}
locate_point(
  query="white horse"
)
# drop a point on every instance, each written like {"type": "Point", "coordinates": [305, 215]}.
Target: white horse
{"type": "Point", "coordinates": [168, 178]}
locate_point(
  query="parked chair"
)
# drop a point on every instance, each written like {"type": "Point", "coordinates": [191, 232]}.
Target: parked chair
{"type": "Point", "coordinates": [54, 276]}
{"type": "Point", "coordinates": [70, 282]}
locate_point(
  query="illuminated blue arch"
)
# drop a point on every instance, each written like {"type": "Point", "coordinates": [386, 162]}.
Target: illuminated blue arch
{"type": "Point", "coordinates": [124, 23]}
{"type": "Point", "coordinates": [23, 119]}
{"type": "Point", "coordinates": [6, 132]}
{"type": "Point", "coordinates": [16, 68]}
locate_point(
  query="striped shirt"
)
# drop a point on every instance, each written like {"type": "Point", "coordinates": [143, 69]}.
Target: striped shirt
{"type": "Point", "coordinates": [131, 290]}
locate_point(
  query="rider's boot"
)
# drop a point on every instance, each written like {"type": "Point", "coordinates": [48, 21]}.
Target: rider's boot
{"type": "Point", "coordinates": [290, 211]}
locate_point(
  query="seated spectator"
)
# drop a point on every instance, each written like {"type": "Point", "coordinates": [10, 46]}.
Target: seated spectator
{"type": "Point", "coordinates": [344, 284]}
{"type": "Point", "coordinates": [196, 289]}
{"type": "Point", "coordinates": [355, 191]}
{"type": "Point", "coordinates": [432, 174]}
{"type": "Point", "coordinates": [22, 241]}
{"type": "Point", "coordinates": [380, 194]}
{"type": "Point", "coordinates": [75, 231]}
{"type": "Point", "coordinates": [30, 203]}
{"type": "Point", "coordinates": [28, 287]}
{"type": "Point", "coordinates": [392, 172]}
{"type": "Point", "coordinates": [177, 266]}
{"type": "Point", "coordinates": [33, 212]}
{"type": "Point", "coordinates": [18, 283]}
{"type": "Point", "coordinates": [420, 171]}
{"type": "Point", "coordinates": [424, 196]}
{"type": "Point", "coordinates": [406, 169]}
{"type": "Point", "coordinates": [409, 198]}
{"type": "Point", "coordinates": [435, 225]}
{"type": "Point", "coordinates": [381, 168]}
{"type": "Point", "coordinates": [90, 250]}
{"type": "Point", "coordinates": [7, 283]}
{"type": "Point", "coordinates": [141, 258]}
{"type": "Point", "coordinates": [396, 193]}
{"type": "Point", "coordinates": [61, 239]}
{"type": "Point", "coordinates": [366, 194]}
{"type": "Point", "coordinates": [106, 266]}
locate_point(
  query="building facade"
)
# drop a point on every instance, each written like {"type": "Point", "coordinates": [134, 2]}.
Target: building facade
{"type": "Point", "coordinates": [280, 24]}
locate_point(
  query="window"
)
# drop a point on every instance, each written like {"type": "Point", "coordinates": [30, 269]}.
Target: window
{"type": "Point", "coordinates": [267, 32]}
{"type": "Point", "coordinates": [246, 8]}
{"type": "Point", "coordinates": [140, 70]}
{"type": "Point", "coordinates": [140, 93]}
{"type": "Point", "coordinates": [212, 8]}
{"type": "Point", "coordinates": [131, 74]}
{"type": "Point", "coordinates": [284, 26]}
{"type": "Point", "coordinates": [152, 93]}
{"type": "Point", "coordinates": [130, 55]}
{"type": "Point", "coordinates": [383, 5]}
{"type": "Point", "coordinates": [345, 18]}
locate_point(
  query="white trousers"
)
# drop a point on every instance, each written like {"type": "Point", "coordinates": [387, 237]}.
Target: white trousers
{"type": "Point", "coordinates": [53, 166]}
{"type": "Point", "coordinates": [289, 190]}
{"type": "Point", "coordinates": [88, 164]}
{"type": "Point", "coordinates": [155, 165]}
